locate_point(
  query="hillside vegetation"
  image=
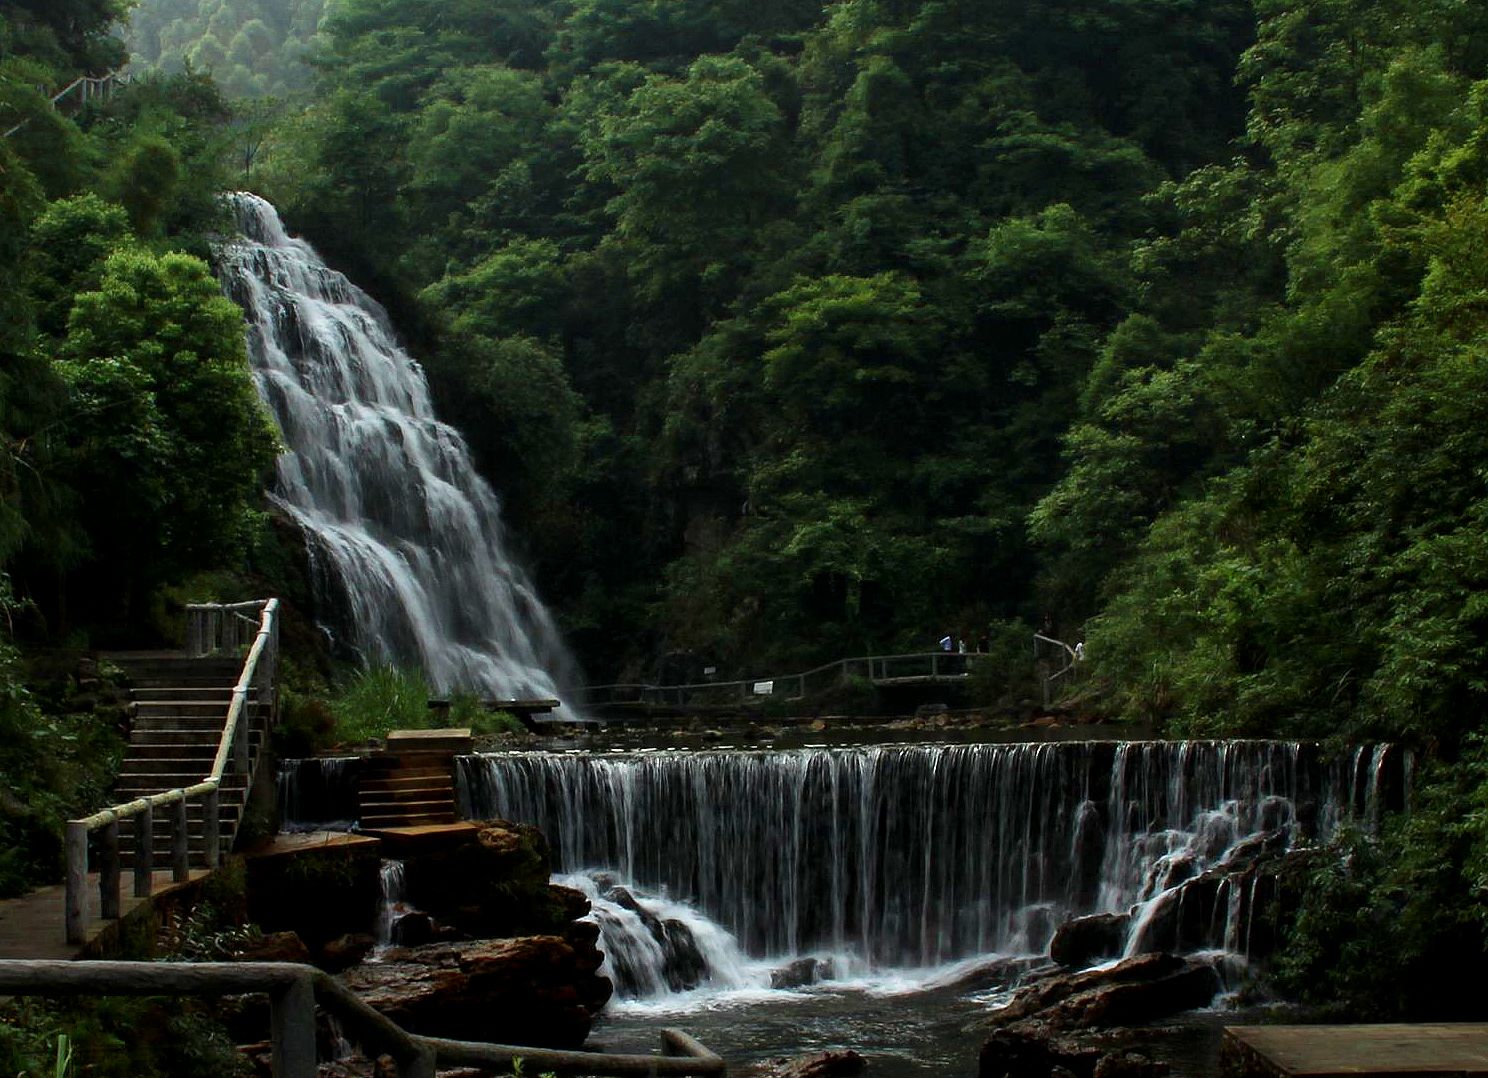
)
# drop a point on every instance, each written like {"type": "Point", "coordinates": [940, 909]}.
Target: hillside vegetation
{"type": "Point", "coordinates": [789, 332]}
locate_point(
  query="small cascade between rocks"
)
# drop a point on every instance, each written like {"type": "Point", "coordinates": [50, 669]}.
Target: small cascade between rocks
{"type": "Point", "coordinates": [407, 554]}
{"type": "Point", "coordinates": [713, 869]}
{"type": "Point", "coordinates": [394, 898]}
{"type": "Point", "coordinates": [654, 946]}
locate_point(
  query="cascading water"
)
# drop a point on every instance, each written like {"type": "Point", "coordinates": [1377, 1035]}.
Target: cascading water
{"type": "Point", "coordinates": [405, 537]}
{"type": "Point", "coordinates": [393, 884]}
{"type": "Point", "coordinates": [912, 857]}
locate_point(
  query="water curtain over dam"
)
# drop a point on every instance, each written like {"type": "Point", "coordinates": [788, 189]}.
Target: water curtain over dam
{"type": "Point", "coordinates": [915, 856]}
{"type": "Point", "coordinates": [405, 538]}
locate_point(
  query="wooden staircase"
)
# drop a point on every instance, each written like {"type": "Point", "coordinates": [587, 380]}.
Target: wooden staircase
{"type": "Point", "coordinates": [180, 708]}
{"type": "Point", "coordinates": [412, 782]}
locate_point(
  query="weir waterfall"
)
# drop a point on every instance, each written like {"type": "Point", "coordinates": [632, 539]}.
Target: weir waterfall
{"type": "Point", "coordinates": [405, 537]}
{"type": "Point", "coordinates": [844, 861]}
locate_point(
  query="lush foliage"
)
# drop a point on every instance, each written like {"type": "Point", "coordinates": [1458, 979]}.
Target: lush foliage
{"type": "Point", "coordinates": [250, 47]}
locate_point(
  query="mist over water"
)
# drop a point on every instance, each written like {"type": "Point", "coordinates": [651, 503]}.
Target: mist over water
{"type": "Point", "coordinates": [405, 539]}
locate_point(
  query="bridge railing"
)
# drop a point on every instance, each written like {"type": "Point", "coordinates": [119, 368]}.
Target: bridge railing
{"type": "Point", "coordinates": [79, 92]}
{"type": "Point", "coordinates": [294, 991]}
{"type": "Point", "coordinates": [880, 669]}
{"type": "Point", "coordinates": [232, 761]}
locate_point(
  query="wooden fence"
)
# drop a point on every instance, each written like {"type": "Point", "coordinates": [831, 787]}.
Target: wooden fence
{"type": "Point", "coordinates": [294, 991]}
{"type": "Point", "coordinates": [233, 759]}
{"type": "Point", "coordinates": [907, 669]}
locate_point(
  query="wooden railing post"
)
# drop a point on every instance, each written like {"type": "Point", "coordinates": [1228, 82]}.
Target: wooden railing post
{"type": "Point", "coordinates": [108, 871]}
{"type": "Point", "coordinates": [292, 1029]}
{"type": "Point", "coordinates": [181, 843]}
{"type": "Point", "coordinates": [76, 911]}
{"type": "Point", "coordinates": [144, 852]}
{"type": "Point", "coordinates": [211, 852]}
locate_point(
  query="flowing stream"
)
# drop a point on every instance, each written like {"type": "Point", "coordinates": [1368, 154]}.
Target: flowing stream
{"type": "Point", "coordinates": [406, 548]}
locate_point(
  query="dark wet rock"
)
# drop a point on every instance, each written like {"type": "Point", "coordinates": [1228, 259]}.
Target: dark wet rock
{"type": "Point", "coordinates": [494, 884]}
{"type": "Point", "coordinates": [412, 929]}
{"type": "Point", "coordinates": [275, 947]}
{"type": "Point", "coordinates": [829, 1064]}
{"type": "Point", "coordinates": [1128, 1065]}
{"type": "Point", "coordinates": [1085, 941]}
{"type": "Point", "coordinates": [802, 972]}
{"type": "Point", "coordinates": [685, 965]}
{"type": "Point", "coordinates": [534, 990]}
{"type": "Point", "coordinates": [343, 952]}
{"type": "Point", "coordinates": [998, 973]}
{"type": "Point", "coordinates": [1078, 1021]}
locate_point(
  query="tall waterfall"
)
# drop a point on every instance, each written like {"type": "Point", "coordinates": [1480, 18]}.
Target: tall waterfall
{"type": "Point", "coordinates": [914, 856]}
{"type": "Point", "coordinates": [405, 538]}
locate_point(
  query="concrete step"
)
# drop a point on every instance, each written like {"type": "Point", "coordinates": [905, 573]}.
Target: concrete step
{"type": "Point", "coordinates": [132, 786]}
{"type": "Point", "coordinates": [398, 781]}
{"type": "Point", "coordinates": [408, 795]}
{"type": "Point", "coordinates": [182, 722]}
{"type": "Point", "coordinates": [373, 772]}
{"type": "Point", "coordinates": [401, 806]}
{"type": "Point", "coordinates": [406, 820]}
{"type": "Point", "coordinates": [200, 708]}
{"type": "Point", "coordinates": [175, 736]}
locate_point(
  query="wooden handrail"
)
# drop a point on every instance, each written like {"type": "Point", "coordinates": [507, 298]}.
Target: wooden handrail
{"type": "Point", "coordinates": [232, 752]}
{"type": "Point", "coordinates": [293, 992]}
{"type": "Point", "coordinates": [90, 87]}
{"type": "Point", "coordinates": [796, 681]}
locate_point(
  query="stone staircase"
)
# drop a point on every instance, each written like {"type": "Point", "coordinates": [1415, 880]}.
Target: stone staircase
{"type": "Point", "coordinates": [180, 708]}
{"type": "Point", "coordinates": [412, 782]}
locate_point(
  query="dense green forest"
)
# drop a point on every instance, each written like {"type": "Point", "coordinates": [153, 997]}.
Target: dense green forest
{"type": "Point", "coordinates": [789, 332]}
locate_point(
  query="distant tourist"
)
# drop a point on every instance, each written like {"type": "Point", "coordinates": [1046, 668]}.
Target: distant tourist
{"type": "Point", "coordinates": [1080, 652]}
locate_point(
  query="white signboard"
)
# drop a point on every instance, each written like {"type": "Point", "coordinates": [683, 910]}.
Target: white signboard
{"type": "Point", "coordinates": [764, 688]}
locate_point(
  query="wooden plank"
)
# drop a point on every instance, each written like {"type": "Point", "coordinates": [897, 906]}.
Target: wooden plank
{"type": "Point", "coordinates": [1458, 1048]}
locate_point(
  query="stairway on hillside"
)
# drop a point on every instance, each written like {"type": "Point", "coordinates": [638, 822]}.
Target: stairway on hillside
{"type": "Point", "coordinates": [412, 783]}
{"type": "Point", "coordinates": [180, 709]}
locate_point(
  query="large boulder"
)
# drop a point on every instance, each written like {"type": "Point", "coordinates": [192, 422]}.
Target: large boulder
{"type": "Point", "coordinates": [1085, 941]}
{"type": "Point", "coordinates": [493, 885]}
{"type": "Point", "coordinates": [536, 990]}
{"type": "Point", "coordinates": [1073, 1023]}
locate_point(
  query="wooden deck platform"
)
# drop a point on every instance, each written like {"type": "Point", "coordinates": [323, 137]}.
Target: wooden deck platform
{"type": "Point", "coordinates": [1401, 1051]}
{"type": "Point", "coordinates": [32, 925]}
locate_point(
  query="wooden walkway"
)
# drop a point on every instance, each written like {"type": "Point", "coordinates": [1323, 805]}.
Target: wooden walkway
{"type": "Point", "coordinates": [33, 925]}
{"type": "Point", "coordinates": [1402, 1051]}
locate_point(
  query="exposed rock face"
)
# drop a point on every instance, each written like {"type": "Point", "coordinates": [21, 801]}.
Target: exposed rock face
{"type": "Point", "coordinates": [1056, 1024]}
{"type": "Point", "coordinates": [1085, 941]}
{"type": "Point", "coordinates": [494, 887]}
{"type": "Point", "coordinates": [537, 990]}
{"type": "Point", "coordinates": [346, 951]}
{"type": "Point", "coordinates": [275, 947]}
